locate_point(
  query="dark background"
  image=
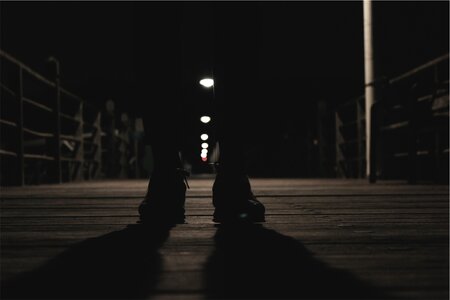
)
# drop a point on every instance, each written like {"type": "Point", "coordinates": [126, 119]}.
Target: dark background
{"type": "Point", "coordinates": [307, 52]}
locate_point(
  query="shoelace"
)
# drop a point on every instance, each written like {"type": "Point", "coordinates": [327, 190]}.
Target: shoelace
{"type": "Point", "coordinates": [185, 174]}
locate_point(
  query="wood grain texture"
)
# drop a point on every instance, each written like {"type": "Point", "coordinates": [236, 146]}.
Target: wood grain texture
{"type": "Point", "coordinates": [387, 240]}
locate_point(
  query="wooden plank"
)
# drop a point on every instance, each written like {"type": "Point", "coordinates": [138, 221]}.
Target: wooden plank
{"type": "Point", "coordinates": [340, 205]}
{"type": "Point", "coordinates": [29, 198]}
{"type": "Point", "coordinates": [331, 187]}
{"type": "Point", "coordinates": [394, 237]}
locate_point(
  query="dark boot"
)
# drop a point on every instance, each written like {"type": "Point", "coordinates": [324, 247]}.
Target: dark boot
{"type": "Point", "coordinates": [233, 199]}
{"type": "Point", "coordinates": [166, 194]}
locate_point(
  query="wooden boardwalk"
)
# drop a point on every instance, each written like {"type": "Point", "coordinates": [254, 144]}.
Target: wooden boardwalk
{"type": "Point", "coordinates": [322, 239]}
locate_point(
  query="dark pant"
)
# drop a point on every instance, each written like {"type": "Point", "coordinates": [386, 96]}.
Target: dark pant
{"type": "Point", "coordinates": [158, 62]}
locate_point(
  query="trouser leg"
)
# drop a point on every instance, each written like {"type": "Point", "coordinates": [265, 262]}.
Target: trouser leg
{"type": "Point", "coordinates": [158, 65]}
{"type": "Point", "coordinates": [235, 66]}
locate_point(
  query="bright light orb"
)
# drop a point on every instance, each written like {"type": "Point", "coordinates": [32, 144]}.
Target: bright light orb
{"type": "Point", "coordinates": [205, 145]}
{"type": "Point", "coordinates": [204, 155]}
{"type": "Point", "coordinates": [207, 82]}
{"type": "Point", "coordinates": [205, 151]}
{"type": "Point", "coordinates": [204, 137]}
{"type": "Point", "coordinates": [205, 119]}
{"type": "Point", "coordinates": [204, 158]}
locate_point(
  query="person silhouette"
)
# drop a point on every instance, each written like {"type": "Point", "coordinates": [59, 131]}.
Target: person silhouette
{"type": "Point", "coordinates": [157, 44]}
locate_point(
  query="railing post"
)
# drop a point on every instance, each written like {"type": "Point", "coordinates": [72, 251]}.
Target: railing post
{"type": "Point", "coordinates": [124, 146]}
{"type": "Point", "coordinates": [412, 135]}
{"type": "Point", "coordinates": [436, 143]}
{"type": "Point", "coordinates": [80, 150]}
{"type": "Point", "coordinates": [20, 142]}
{"type": "Point", "coordinates": [110, 131]}
{"type": "Point", "coordinates": [138, 134]}
{"type": "Point", "coordinates": [360, 139]}
{"type": "Point", "coordinates": [374, 128]}
{"type": "Point", "coordinates": [57, 119]}
{"type": "Point", "coordinates": [98, 142]}
{"type": "Point", "coordinates": [338, 123]}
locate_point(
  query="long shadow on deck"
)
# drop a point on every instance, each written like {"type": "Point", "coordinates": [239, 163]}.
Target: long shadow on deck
{"type": "Point", "coordinates": [123, 264]}
{"type": "Point", "coordinates": [248, 261]}
{"type": "Point", "coordinates": [252, 262]}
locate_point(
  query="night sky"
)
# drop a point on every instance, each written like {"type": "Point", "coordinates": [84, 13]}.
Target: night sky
{"type": "Point", "coordinates": [299, 41]}
{"type": "Point", "coordinates": [307, 51]}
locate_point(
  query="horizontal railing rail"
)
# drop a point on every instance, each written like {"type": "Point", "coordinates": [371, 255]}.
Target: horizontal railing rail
{"type": "Point", "coordinates": [431, 64]}
{"type": "Point", "coordinates": [406, 105]}
{"type": "Point", "coordinates": [38, 130]}
{"type": "Point", "coordinates": [50, 134]}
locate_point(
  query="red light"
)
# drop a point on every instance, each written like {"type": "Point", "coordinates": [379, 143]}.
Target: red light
{"type": "Point", "coordinates": [204, 158]}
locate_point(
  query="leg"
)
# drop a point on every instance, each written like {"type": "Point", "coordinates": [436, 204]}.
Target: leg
{"type": "Point", "coordinates": [234, 71]}
{"type": "Point", "coordinates": [157, 61]}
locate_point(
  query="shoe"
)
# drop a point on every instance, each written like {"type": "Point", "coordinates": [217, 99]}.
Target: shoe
{"type": "Point", "coordinates": [234, 201]}
{"type": "Point", "coordinates": [166, 195]}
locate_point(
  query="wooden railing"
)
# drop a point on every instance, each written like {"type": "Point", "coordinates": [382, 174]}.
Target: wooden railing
{"type": "Point", "coordinates": [409, 127]}
{"type": "Point", "coordinates": [48, 134]}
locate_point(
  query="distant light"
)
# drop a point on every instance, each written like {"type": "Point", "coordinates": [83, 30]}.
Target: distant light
{"type": "Point", "coordinates": [205, 145]}
{"type": "Point", "coordinates": [204, 155]}
{"type": "Point", "coordinates": [205, 151]}
{"type": "Point", "coordinates": [205, 119]}
{"type": "Point", "coordinates": [204, 137]}
{"type": "Point", "coordinates": [204, 158]}
{"type": "Point", "coordinates": [207, 82]}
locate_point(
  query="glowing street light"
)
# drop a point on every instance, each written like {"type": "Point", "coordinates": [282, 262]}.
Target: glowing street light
{"type": "Point", "coordinates": [204, 137]}
{"type": "Point", "coordinates": [205, 151]}
{"type": "Point", "coordinates": [204, 155]}
{"type": "Point", "coordinates": [205, 119]}
{"type": "Point", "coordinates": [207, 82]}
{"type": "Point", "coordinates": [205, 145]}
